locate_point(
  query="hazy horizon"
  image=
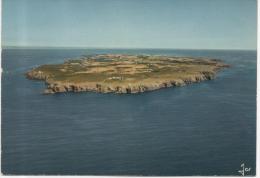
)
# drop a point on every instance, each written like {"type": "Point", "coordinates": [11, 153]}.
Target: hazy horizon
{"type": "Point", "coordinates": [86, 47]}
{"type": "Point", "coordinates": [178, 24]}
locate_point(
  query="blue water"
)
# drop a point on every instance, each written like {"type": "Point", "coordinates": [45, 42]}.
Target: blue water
{"type": "Point", "coordinates": [200, 129]}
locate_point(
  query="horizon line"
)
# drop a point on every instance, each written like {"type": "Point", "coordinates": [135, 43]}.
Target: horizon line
{"type": "Point", "coordinates": [86, 47]}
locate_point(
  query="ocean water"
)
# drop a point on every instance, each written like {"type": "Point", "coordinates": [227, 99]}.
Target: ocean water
{"type": "Point", "coordinates": [200, 129]}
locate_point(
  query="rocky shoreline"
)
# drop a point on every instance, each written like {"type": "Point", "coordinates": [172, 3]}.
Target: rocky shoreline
{"type": "Point", "coordinates": [56, 86]}
{"type": "Point", "coordinates": [59, 87]}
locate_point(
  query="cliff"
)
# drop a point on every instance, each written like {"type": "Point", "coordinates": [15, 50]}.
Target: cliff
{"type": "Point", "coordinates": [125, 73]}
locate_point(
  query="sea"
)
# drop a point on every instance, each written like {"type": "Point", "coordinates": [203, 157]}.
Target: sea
{"type": "Point", "coordinates": [207, 128]}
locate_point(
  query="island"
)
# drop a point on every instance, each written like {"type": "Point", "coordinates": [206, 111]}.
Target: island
{"type": "Point", "coordinates": [121, 73]}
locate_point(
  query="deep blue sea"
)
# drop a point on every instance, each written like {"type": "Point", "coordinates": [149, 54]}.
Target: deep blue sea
{"type": "Point", "coordinates": [207, 128]}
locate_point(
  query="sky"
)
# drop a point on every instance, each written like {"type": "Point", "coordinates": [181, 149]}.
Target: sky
{"type": "Point", "coordinates": [179, 24]}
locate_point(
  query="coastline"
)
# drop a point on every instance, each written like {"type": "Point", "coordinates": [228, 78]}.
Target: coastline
{"type": "Point", "coordinates": [150, 73]}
